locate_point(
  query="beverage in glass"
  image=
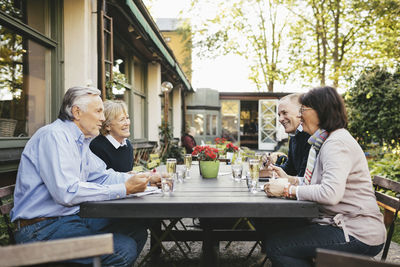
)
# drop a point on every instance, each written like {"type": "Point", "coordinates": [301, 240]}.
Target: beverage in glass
{"type": "Point", "coordinates": [259, 156]}
{"type": "Point", "coordinates": [237, 172]}
{"type": "Point", "coordinates": [188, 164]}
{"type": "Point", "coordinates": [171, 166]}
{"type": "Point", "coordinates": [254, 174]}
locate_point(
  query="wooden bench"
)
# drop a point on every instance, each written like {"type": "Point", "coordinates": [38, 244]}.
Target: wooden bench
{"type": "Point", "coordinates": [330, 258]}
{"type": "Point", "coordinates": [48, 251]}
{"type": "Point", "coordinates": [390, 204]}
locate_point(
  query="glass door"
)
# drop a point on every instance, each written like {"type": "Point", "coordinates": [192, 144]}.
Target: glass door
{"type": "Point", "coordinates": [268, 121]}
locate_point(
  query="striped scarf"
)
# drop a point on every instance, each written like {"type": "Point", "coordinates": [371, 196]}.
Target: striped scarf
{"type": "Point", "coordinates": [316, 140]}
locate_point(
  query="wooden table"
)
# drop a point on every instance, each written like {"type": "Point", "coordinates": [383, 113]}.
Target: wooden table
{"type": "Point", "coordinates": [203, 198]}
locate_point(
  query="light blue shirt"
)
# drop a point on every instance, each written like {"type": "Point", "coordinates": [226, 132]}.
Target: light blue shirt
{"type": "Point", "coordinates": [58, 171]}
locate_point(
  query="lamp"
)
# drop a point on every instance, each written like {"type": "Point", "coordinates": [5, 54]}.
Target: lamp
{"type": "Point", "coordinates": [166, 87]}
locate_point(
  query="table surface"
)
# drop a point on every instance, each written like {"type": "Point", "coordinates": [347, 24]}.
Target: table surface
{"type": "Point", "coordinates": [206, 198]}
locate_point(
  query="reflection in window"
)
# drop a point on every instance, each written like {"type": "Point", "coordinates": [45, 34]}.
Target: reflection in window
{"type": "Point", "coordinates": [198, 123]}
{"type": "Point", "coordinates": [214, 125]}
{"type": "Point", "coordinates": [208, 126]}
{"type": "Point", "coordinates": [22, 84]}
{"type": "Point", "coordinates": [230, 119]}
{"type": "Point", "coordinates": [32, 13]}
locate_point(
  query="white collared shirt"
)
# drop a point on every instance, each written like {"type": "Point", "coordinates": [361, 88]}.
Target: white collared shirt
{"type": "Point", "coordinates": [114, 142]}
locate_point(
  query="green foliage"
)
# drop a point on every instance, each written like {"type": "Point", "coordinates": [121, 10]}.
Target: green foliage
{"type": "Point", "coordinates": [388, 166]}
{"type": "Point", "coordinates": [373, 107]}
{"type": "Point", "coordinates": [386, 27]}
{"type": "Point", "coordinates": [169, 147]}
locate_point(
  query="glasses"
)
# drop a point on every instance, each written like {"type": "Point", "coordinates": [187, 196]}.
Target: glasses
{"type": "Point", "coordinates": [124, 120]}
{"type": "Point", "coordinates": [302, 109]}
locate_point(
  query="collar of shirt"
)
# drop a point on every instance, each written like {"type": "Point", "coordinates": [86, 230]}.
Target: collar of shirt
{"type": "Point", "coordinates": [77, 133]}
{"type": "Point", "coordinates": [114, 142]}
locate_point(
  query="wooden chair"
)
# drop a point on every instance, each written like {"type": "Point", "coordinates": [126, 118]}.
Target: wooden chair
{"type": "Point", "coordinates": [391, 204]}
{"type": "Point", "coordinates": [48, 251]}
{"type": "Point", "coordinates": [330, 258]}
{"type": "Point", "coordinates": [57, 250]}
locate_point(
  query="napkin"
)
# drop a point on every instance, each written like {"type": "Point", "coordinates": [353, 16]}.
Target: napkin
{"type": "Point", "coordinates": [149, 190]}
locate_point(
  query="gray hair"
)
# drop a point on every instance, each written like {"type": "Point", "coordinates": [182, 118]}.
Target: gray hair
{"type": "Point", "coordinates": [112, 109]}
{"type": "Point", "coordinates": [76, 96]}
{"type": "Point", "coordinates": [293, 98]}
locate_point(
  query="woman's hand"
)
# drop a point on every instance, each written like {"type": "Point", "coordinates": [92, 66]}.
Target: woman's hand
{"type": "Point", "coordinates": [274, 189]}
{"type": "Point", "coordinates": [280, 173]}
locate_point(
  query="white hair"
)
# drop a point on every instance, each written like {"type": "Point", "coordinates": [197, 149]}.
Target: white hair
{"type": "Point", "coordinates": [76, 96]}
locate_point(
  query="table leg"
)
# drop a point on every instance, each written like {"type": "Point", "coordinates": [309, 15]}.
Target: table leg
{"type": "Point", "coordinates": [210, 248]}
{"type": "Point", "coordinates": [155, 256]}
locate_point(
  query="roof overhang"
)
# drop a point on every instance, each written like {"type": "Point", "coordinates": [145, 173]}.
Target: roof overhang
{"type": "Point", "coordinates": [162, 53]}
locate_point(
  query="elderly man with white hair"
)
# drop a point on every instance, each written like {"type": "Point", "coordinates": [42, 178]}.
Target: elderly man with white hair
{"type": "Point", "coordinates": [58, 171]}
{"type": "Point", "coordinates": [288, 109]}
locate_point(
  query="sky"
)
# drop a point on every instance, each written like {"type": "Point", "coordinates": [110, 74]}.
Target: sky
{"type": "Point", "coordinates": [225, 73]}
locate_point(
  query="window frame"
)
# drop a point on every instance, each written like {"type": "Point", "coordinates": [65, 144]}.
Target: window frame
{"type": "Point", "coordinates": [55, 90]}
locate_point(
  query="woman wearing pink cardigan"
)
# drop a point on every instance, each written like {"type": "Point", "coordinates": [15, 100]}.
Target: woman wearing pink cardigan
{"type": "Point", "coordinates": [338, 179]}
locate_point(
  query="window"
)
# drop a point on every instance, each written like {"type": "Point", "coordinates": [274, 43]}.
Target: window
{"type": "Point", "coordinates": [230, 119]}
{"type": "Point", "coordinates": [204, 121]}
{"type": "Point", "coordinates": [139, 100]}
{"type": "Point", "coordinates": [25, 66]}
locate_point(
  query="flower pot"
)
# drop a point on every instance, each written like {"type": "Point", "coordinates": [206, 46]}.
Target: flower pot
{"type": "Point", "coordinates": [209, 169]}
{"type": "Point", "coordinates": [229, 155]}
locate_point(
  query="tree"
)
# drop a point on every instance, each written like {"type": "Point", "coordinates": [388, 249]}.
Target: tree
{"type": "Point", "coordinates": [383, 37]}
{"type": "Point", "coordinates": [252, 29]}
{"type": "Point", "coordinates": [373, 107]}
{"type": "Point", "coordinates": [334, 38]}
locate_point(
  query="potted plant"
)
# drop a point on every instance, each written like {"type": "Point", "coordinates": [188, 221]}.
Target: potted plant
{"type": "Point", "coordinates": [208, 161]}
{"type": "Point", "coordinates": [229, 150]}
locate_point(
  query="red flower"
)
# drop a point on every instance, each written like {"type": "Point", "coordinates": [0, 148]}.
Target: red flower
{"type": "Point", "coordinates": [231, 148]}
{"type": "Point", "coordinates": [205, 153]}
{"type": "Point", "coordinates": [220, 140]}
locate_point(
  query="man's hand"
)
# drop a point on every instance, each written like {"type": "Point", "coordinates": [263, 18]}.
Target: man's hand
{"type": "Point", "coordinates": [266, 159]}
{"type": "Point", "coordinates": [155, 178]}
{"type": "Point", "coordinates": [137, 183]}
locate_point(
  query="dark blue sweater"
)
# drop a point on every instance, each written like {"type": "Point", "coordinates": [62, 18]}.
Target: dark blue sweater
{"type": "Point", "coordinates": [298, 154]}
{"type": "Point", "coordinates": [120, 160]}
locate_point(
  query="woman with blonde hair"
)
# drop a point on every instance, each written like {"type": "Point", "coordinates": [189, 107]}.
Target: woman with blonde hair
{"type": "Point", "coordinates": [112, 145]}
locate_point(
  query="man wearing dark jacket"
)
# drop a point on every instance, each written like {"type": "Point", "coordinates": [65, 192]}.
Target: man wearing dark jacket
{"type": "Point", "coordinates": [288, 110]}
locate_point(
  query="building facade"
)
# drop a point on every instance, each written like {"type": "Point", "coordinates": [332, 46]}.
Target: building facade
{"type": "Point", "coordinates": [48, 46]}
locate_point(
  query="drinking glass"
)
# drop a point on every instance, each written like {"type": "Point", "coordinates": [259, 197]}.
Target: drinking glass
{"type": "Point", "coordinates": [180, 173]}
{"type": "Point", "coordinates": [254, 174]}
{"type": "Point", "coordinates": [167, 185]}
{"type": "Point", "coordinates": [171, 166]}
{"type": "Point", "coordinates": [248, 180]}
{"type": "Point", "coordinates": [259, 156]}
{"type": "Point", "coordinates": [188, 163]}
{"type": "Point", "coordinates": [237, 172]}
